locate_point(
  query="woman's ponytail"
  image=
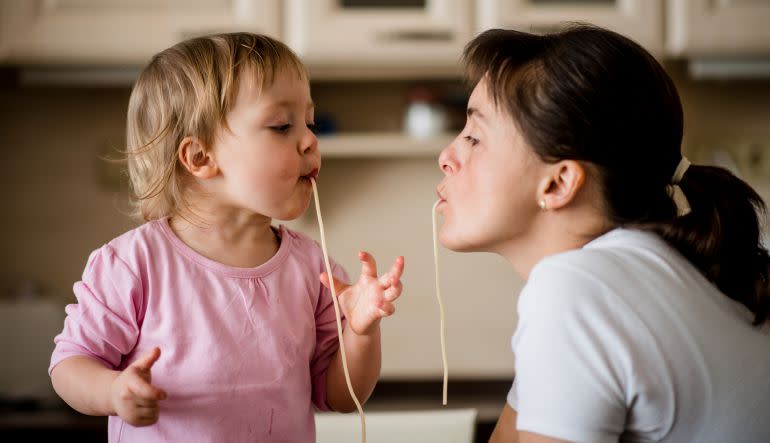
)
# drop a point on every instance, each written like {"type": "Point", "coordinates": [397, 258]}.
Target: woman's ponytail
{"type": "Point", "coordinates": [722, 236]}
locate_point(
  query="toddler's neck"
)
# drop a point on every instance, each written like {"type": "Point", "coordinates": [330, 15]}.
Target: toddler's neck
{"type": "Point", "coordinates": [244, 242]}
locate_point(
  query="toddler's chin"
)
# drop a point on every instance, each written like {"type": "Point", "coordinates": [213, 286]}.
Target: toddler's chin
{"type": "Point", "coordinates": [295, 213]}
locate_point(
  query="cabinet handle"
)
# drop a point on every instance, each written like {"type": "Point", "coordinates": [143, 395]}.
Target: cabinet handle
{"type": "Point", "coordinates": [415, 35]}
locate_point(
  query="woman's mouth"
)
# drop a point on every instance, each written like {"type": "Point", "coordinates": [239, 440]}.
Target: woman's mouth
{"type": "Point", "coordinates": [312, 174]}
{"type": "Point", "coordinates": [440, 196]}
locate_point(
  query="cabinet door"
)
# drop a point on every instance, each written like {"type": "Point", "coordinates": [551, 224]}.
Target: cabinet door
{"type": "Point", "coordinates": [640, 20]}
{"type": "Point", "coordinates": [119, 31]}
{"type": "Point", "coordinates": [378, 32]}
{"type": "Point", "coordinates": [718, 27]}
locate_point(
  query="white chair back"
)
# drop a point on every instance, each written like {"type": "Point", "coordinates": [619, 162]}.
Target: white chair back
{"type": "Point", "coordinates": [443, 425]}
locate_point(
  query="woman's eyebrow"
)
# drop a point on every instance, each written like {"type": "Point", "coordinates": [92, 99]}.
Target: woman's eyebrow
{"type": "Point", "coordinates": [471, 112]}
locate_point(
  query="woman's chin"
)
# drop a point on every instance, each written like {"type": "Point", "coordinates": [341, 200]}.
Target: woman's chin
{"type": "Point", "coordinates": [456, 242]}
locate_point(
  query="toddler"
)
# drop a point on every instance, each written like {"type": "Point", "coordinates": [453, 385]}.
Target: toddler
{"type": "Point", "coordinates": [207, 323]}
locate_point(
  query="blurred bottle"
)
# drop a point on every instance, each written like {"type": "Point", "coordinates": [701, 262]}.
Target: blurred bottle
{"type": "Point", "coordinates": [425, 116]}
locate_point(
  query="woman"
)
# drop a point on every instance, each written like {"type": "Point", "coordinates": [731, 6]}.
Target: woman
{"type": "Point", "coordinates": [646, 283]}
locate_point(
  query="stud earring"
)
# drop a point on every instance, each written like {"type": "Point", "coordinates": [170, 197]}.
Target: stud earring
{"type": "Point", "coordinates": [542, 204]}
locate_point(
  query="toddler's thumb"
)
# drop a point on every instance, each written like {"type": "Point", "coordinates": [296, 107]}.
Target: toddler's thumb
{"type": "Point", "coordinates": [147, 360]}
{"type": "Point", "coordinates": [339, 285]}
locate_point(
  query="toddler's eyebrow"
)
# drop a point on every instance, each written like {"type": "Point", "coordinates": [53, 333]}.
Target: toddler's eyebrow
{"type": "Point", "coordinates": [289, 104]}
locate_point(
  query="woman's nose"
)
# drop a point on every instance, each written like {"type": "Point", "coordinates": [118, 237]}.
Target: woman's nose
{"type": "Point", "coordinates": [446, 161]}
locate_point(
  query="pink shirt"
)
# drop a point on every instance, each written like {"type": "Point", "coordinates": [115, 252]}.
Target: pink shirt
{"type": "Point", "coordinates": [244, 351]}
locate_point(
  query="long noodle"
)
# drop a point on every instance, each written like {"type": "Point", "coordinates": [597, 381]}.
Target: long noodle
{"type": "Point", "coordinates": [337, 313]}
{"type": "Point", "coordinates": [440, 304]}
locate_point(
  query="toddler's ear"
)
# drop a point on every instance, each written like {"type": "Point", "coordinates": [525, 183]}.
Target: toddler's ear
{"type": "Point", "coordinates": [196, 158]}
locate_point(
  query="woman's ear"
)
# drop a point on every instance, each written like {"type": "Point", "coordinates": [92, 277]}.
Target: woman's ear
{"type": "Point", "coordinates": [197, 159]}
{"type": "Point", "coordinates": [562, 185]}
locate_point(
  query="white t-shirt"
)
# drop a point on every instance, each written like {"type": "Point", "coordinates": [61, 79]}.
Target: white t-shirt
{"type": "Point", "coordinates": [625, 340]}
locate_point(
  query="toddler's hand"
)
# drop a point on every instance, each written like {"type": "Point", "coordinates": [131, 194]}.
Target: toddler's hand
{"type": "Point", "coordinates": [132, 395]}
{"type": "Point", "coordinates": [371, 298]}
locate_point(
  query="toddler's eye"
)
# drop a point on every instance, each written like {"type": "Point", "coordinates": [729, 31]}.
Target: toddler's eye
{"type": "Point", "coordinates": [281, 128]}
{"type": "Point", "coordinates": [313, 128]}
{"type": "Point", "coordinates": [472, 141]}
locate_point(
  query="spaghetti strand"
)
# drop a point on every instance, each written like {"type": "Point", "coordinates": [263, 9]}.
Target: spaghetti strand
{"type": "Point", "coordinates": [337, 312]}
{"type": "Point", "coordinates": [440, 304]}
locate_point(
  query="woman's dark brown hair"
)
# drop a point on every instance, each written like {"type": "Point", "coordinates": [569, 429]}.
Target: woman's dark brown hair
{"type": "Point", "coordinates": [592, 95]}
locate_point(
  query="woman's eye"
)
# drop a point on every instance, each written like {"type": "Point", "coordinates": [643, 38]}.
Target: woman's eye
{"type": "Point", "coordinates": [281, 128]}
{"type": "Point", "coordinates": [472, 141]}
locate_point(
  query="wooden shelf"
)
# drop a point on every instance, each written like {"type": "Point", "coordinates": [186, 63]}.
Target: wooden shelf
{"type": "Point", "coordinates": [381, 144]}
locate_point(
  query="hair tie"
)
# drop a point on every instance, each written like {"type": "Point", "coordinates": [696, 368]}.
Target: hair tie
{"type": "Point", "coordinates": [675, 191]}
{"type": "Point", "coordinates": [681, 168]}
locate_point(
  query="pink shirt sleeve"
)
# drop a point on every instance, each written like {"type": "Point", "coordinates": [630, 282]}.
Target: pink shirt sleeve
{"type": "Point", "coordinates": [327, 342]}
{"type": "Point", "coordinates": [104, 323]}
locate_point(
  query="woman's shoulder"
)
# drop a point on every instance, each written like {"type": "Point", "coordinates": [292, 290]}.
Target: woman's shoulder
{"type": "Point", "coordinates": [613, 265]}
{"type": "Point", "coordinates": [566, 279]}
{"type": "Point", "coordinates": [606, 255]}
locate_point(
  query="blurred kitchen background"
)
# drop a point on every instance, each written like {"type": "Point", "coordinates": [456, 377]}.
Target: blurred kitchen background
{"type": "Point", "coordinates": [386, 81]}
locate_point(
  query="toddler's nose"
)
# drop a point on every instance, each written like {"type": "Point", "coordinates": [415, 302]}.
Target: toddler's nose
{"type": "Point", "coordinates": [309, 142]}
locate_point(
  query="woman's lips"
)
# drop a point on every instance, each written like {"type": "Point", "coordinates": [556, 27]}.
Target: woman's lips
{"type": "Point", "coordinates": [312, 174]}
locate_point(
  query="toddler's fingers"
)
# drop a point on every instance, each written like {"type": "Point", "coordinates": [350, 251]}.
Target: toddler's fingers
{"type": "Point", "coordinates": [387, 309]}
{"type": "Point", "coordinates": [148, 416]}
{"type": "Point", "coordinates": [395, 272]}
{"type": "Point", "coordinates": [393, 292]}
{"type": "Point", "coordinates": [148, 411]}
{"type": "Point", "coordinates": [145, 390]}
{"type": "Point", "coordinates": [142, 402]}
{"type": "Point", "coordinates": [368, 264]}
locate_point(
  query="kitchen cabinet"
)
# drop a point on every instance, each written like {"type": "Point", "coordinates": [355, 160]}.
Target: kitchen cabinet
{"type": "Point", "coordinates": [718, 27]}
{"type": "Point", "coordinates": [119, 32]}
{"type": "Point", "coordinates": [641, 20]}
{"type": "Point", "coordinates": [364, 38]}
{"type": "Point", "coordinates": [420, 34]}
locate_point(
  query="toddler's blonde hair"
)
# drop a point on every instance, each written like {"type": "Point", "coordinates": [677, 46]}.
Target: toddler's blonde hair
{"type": "Point", "coordinates": [187, 90]}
